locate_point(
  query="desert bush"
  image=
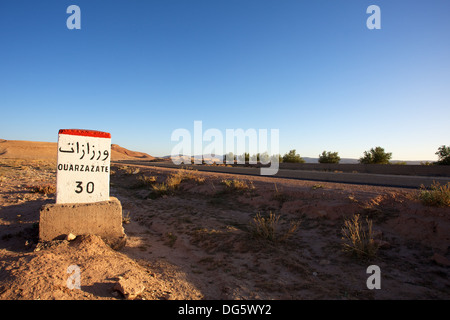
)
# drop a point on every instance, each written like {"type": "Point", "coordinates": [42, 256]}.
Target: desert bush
{"type": "Point", "coordinates": [444, 155]}
{"type": "Point", "coordinates": [126, 219]}
{"type": "Point", "coordinates": [44, 189]}
{"type": "Point", "coordinates": [238, 185]}
{"type": "Point", "coordinates": [293, 157]}
{"type": "Point", "coordinates": [263, 157]}
{"type": "Point", "coordinates": [129, 170]}
{"type": "Point", "coordinates": [169, 187]}
{"type": "Point", "coordinates": [376, 156]}
{"type": "Point", "coordinates": [275, 158]}
{"type": "Point", "coordinates": [174, 181]}
{"type": "Point", "coordinates": [438, 196]}
{"type": "Point", "coordinates": [147, 180]}
{"type": "Point", "coordinates": [245, 157]}
{"type": "Point", "coordinates": [144, 181]}
{"type": "Point", "coordinates": [170, 239]}
{"type": "Point", "coordinates": [161, 189]}
{"type": "Point", "coordinates": [230, 157]}
{"type": "Point", "coordinates": [270, 228]}
{"type": "Point", "coordinates": [186, 175]}
{"type": "Point", "coordinates": [279, 195]}
{"type": "Point", "coordinates": [358, 238]}
{"type": "Point", "coordinates": [329, 157]}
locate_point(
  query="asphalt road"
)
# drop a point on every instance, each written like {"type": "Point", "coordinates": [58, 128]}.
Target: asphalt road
{"type": "Point", "coordinates": [340, 177]}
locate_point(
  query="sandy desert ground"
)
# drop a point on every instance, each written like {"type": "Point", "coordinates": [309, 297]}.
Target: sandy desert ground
{"type": "Point", "coordinates": [200, 241]}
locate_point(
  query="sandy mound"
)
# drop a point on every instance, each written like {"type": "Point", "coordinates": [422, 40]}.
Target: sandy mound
{"type": "Point", "coordinates": [27, 149]}
{"type": "Point", "coordinates": [120, 153]}
{"type": "Point", "coordinates": [15, 149]}
{"type": "Point", "coordinates": [45, 274]}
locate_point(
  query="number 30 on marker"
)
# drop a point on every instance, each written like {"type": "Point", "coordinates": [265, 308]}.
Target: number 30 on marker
{"type": "Point", "coordinates": [89, 187]}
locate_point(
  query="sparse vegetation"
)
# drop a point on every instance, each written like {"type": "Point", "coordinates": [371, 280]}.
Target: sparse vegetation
{"type": "Point", "coordinates": [358, 237]}
{"type": "Point", "coordinates": [293, 157]}
{"type": "Point", "coordinates": [376, 156]}
{"type": "Point", "coordinates": [245, 157]}
{"type": "Point", "coordinates": [280, 195]}
{"type": "Point", "coordinates": [129, 170]}
{"type": "Point", "coordinates": [170, 186]}
{"type": "Point", "coordinates": [238, 185]}
{"type": "Point", "coordinates": [437, 196]}
{"type": "Point", "coordinates": [44, 189]}
{"type": "Point", "coordinates": [144, 181]}
{"type": "Point", "coordinates": [126, 219]}
{"type": "Point", "coordinates": [147, 180]}
{"type": "Point", "coordinates": [209, 230]}
{"type": "Point", "coordinates": [444, 155]}
{"type": "Point", "coordinates": [188, 174]}
{"type": "Point", "coordinates": [230, 157]}
{"type": "Point", "coordinates": [269, 228]}
{"type": "Point", "coordinates": [329, 157]}
{"type": "Point", "coordinates": [170, 239]}
{"type": "Point", "coordinates": [174, 181]}
{"type": "Point", "coordinates": [160, 189]}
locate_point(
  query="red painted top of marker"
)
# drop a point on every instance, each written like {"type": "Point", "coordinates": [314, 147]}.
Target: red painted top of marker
{"type": "Point", "coordinates": [86, 133]}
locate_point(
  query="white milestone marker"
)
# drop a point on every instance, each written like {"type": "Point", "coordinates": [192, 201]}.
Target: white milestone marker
{"type": "Point", "coordinates": [83, 166]}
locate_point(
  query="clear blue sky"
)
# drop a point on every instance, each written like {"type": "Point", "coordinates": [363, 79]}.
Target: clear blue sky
{"type": "Point", "coordinates": [312, 69]}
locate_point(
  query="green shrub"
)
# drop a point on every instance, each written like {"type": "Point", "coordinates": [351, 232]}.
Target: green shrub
{"type": "Point", "coordinates": [329, 157]}
{"type": "Point", "coordinates": [376, 156]}
{"type": "Point", "coordinates": [293, 157]}
{"type": "Point", "coordinates": [444, 155]}
{"type": "Point", "coordinates": [437, 196]}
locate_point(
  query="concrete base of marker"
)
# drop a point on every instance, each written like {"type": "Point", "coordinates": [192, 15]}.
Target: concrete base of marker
{"type": "Point", "coordinates": [103, 219]}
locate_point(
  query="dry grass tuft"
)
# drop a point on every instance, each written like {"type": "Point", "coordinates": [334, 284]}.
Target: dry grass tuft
{"type": "Point", "coordinates": [144, 181]}
{"type": "Point", "coordinates": [270, 228]}
{"type": "Point", "coordinates": [161, 189]}
{"type": "Point", "coordinates": [44, 189]}
{"type": "Point", "coordinates": [358, 238]}
{"type": "Point", "coordinates": [129, 170]}
{"type": "Point", "coordinates": [238, 185]}
{"type": "Point", "coordinates": [279, 195]}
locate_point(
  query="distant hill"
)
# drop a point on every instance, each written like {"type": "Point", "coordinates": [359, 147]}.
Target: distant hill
{"type": "Point", "coordinates": [18, 149]}
{"type": "Point", "coordinates": [120, 153]}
